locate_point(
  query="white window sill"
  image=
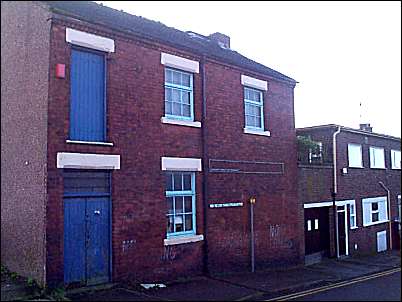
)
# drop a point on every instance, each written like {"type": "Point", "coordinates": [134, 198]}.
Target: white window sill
{"type": "Point", "coordinates": [183, 239]}
{"type": "Point", "coordinates": [89, 143]}
{"type": "Point", "coordinates": [257, 132]}
{"type": "Point", "coordinates": [374, 223]}
{"type": "Point", "coordinates": [356, 167]}
{"type": "Point", "coordinates": [354, 228]}
{"type": "Point", "coordinates": [166, 120]}
{"type": "Point", "coordinates": [395, 168]}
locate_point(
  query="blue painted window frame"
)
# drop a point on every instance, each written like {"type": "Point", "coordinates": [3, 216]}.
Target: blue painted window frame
{"type": "Point", "coordinates": [259, 104]}
{"type": "Point", "coordinates": [181, 88]}
{"type": "Point", "coordinates": [181, 193]}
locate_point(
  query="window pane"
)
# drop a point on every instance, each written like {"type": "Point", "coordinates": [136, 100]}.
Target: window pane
{"type": "Point", "coordinates": [374, 206]}
{"type": "Point", "coordinates": [374, 217]}
{"type": "Point", "coordinates": [168, 108]}
{"type": "Point", "coordinates": [186, 79]}
{"type": "Point", "coordinates": [170, 205]}
{"type": "Point", "coordinates": [176, 109]}
{"type": "Point", "coordinates": [168, 94]}
{"type": "Point", "coordinates": [179, 223]}
{"type": "Point", "coordinates": [352, 209]}
{"type": "Point", "coordinates": [185, 97]}
{"type": "Point", "coordinates": [170, 224]}
{"type": "Point", "coordinates": [179, 204]}
{"type": "Point", "coordinates": [168, 76]}
{"type": "Point", "coordinates": [258, 122]}
{"type": "Point", "coordinates": [248, 109]}
{"type": "Point", "coordinates": [186, 110]}
{"type": "Point", "coordinates": [248, 120]}
{"type": "Point", "coordinates": [189, 222]}
{"type": "Point", "coordinates": [176, 78]}
{"type": "Point", "coordinates": [169, 183]}
{"type": "Point", "coordinates": [188, 204]}
{"type": "Point", "coordinates": [175, 95]}
{"type": "Point", "coordinates": [177, 179]}
{"type": "Point", "coordinates": [187, 182]}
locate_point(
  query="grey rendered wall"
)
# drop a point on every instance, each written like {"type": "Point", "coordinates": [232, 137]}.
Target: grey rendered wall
{"type": "Point", "coordinates": [25, 34]}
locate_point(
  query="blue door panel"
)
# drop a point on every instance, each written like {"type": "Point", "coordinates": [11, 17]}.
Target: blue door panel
{"type": "Point", "coordinates": [98, 240]}
{"type": "Point", "coordinates": [87, 108]}
{"type": "Point", "coordinates": [74, 240]}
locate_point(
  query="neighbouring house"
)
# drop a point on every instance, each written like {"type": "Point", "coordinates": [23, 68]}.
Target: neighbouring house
{"type": "Point", "coordinates": [356, 173]}
{"type": "Point", "coordinates": [135, 151]}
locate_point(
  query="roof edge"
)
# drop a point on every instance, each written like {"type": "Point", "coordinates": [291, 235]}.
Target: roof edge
{"type": "Point", "coordinates": [348, 129]}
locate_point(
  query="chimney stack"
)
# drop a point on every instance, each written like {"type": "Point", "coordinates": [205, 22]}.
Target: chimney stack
{"type": "Point", "coordinates": [221, 39]}
{"type": "Point", "coordinates": [366, 127]}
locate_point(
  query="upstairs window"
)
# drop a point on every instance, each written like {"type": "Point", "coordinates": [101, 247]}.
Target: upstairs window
{"type": "Point", "coordinates": [254, 109]}
{"type": "Point", "coordinates": [180, 198]}
{"type": "Point", "coordinates": [178, 94]}
{"type": "Point", "coordinates": [395, 159]}
{"type": "Point", "coordinates": [355, 156]}
{"type": "Point", "coordinates": [87, 96]}
{"type": "Point", "coordinates": [377, 159]}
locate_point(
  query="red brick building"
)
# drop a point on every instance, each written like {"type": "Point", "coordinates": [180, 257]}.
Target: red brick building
{"type": "Point", "coordinates": [131, 150]}
{"type": "Point", "coordinates": [364, 183]}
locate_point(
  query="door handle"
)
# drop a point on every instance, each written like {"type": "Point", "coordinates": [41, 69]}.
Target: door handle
{"type": "Point", "coordinates": [97, 212]}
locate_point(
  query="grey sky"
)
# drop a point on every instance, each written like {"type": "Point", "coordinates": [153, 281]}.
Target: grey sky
{"type": "Point", "coordinates": [341, 53]}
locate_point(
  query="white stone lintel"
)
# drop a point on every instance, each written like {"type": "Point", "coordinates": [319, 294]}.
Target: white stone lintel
{"type": "Point", "coordinates": [254, 83]}
{"type": "Point", "coordinates": [87, 161]}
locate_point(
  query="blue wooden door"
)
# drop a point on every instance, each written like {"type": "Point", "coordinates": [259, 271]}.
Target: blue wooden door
{"type": "Point", "coordinates": [87, 227]}
{"type": "Point", "coordinates": [87, 96]}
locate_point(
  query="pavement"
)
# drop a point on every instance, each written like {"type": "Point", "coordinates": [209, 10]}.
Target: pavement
{"type": "Point", "coordinates": [265, 284]}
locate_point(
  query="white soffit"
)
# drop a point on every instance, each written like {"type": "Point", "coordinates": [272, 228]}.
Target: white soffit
{"type": "Point", "coordinates": [181, 164]}
{"type": "Point", "coordinates": [84, 39]}
{"type": "Point", "coordinates": [87, 161]}
{"type": "Point", "coordinates": [179, 63]}
{"type": "Point", "coordinates": [254, 83]}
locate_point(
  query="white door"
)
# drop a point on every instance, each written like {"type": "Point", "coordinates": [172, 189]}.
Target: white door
{"type": "Point", "coordinates": [381, 241]}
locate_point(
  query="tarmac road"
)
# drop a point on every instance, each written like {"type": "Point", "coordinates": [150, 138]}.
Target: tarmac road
{"type": "Point", "coordinates": [379, 287]}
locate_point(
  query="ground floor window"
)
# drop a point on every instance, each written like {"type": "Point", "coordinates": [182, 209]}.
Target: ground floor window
{"type": "Point", "coordinates": [180, 199]}
{"type": "Point", "coordinates": [374, 210]}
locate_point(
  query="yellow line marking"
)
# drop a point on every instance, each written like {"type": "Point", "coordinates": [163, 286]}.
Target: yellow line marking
{"type": "Point", "coordinates": [328, 287]}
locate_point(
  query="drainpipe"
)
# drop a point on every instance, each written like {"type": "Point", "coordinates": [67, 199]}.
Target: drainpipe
{"type": "Point", "coordinates": [389, 212]}
{"type": "Point", "coordinates": [335, 190]}
{"type": "Point", "coordinates": [205, 166]}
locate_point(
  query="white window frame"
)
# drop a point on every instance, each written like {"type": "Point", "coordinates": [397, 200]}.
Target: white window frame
{"type": "Point", "coordinates": [353, 218]}
{"type": "Point", "coordinates": [394, 164]}
{"type": "Point", "coordinates": [373, 163]}
{"type": "Point", "coordinates": [259, 104]}
{"type": "Point", "coordinates": [350, 148]}
{"type": "Point", "coordinates": [367, 202]}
